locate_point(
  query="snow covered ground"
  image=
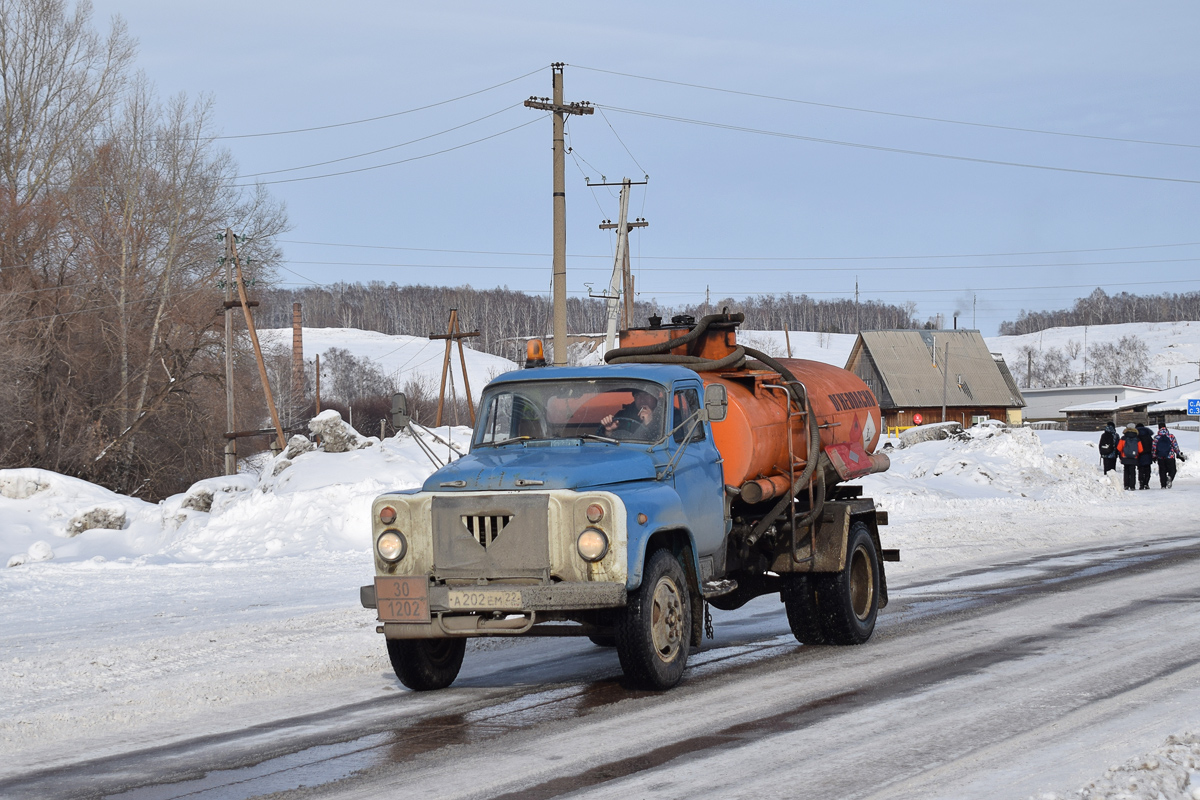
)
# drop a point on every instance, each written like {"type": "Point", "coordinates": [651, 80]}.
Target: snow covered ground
{"type": "Point", "coordinates": [403, 357]}
{"type": "Point", "coordinates": [1173, 346]}
{"type": "Point", "coordinates": [186, 621]}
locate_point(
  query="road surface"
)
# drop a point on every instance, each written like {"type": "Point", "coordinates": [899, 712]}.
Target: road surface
{"type": "Point", "coordinates": [993, 681]}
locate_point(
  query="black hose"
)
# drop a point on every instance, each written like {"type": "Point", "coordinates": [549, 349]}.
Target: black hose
{"type": "Point", "coordinates": [669, 345]}
{"type": "Point", "coordinates": [731, 361]}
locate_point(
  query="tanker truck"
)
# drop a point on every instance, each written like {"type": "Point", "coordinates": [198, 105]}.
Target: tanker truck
{"type": "Point", "coordinates": [621, 501]}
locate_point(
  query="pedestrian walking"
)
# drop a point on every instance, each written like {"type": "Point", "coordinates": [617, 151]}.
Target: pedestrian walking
{"type": "Point", "coordinates": [1166, 450]}
{"type": "Point", "coordinates": [1145, 456]}
{"type": "Point", "coordinates": [1128, 449]}
{"type": "Point", "coordinates": [1108, 447]}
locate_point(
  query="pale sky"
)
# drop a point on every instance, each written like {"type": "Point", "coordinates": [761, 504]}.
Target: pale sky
{"type": "Point", "coordinates": [735, 212]}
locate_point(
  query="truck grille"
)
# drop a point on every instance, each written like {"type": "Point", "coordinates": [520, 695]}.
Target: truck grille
{"type": "Point", "coordinates": [485, 528]}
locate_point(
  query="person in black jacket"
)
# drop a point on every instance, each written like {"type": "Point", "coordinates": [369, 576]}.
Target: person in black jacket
{"type": "Point", "coordinates": [1108, 448]}
{"type": "Point", "coordinates": [1129, 448]}
{"type": "Point", "coordinates": [1145, 455]}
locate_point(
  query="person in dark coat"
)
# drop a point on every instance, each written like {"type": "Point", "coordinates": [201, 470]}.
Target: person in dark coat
{"type": "Point", "coordinates": [1129, 448]}
{"type": "Point", "coordinates": [1145, 456]}
{"type": "Point", "coordinates": [1166, 450]}
{"type": "Point", "coordinates": [1108, 447]}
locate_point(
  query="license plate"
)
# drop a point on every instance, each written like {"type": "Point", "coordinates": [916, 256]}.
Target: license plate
{"type": "Point", "coordinates": [402, 599]}
{"type": "Point", "coordinates": [473, 599]}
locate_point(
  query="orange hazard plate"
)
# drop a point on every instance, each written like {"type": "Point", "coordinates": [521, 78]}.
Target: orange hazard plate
{"type": "Point", "coordinates": [402, 599]}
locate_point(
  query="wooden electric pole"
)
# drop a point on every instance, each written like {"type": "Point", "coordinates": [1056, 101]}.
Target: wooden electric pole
{"type": "Point", "coordinates": [452, 335]}
{"type": "Point", "coordinates": [621, 279]}
{"type": "Point", "coordinates": [556, 106]}
{"type": "Point", "coordinates": [230, 444]}
{"type": "Point", "coordinates": [245, 303]}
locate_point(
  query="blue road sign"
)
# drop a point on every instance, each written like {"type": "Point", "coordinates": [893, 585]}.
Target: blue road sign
{"type": "Point", "coordinates": [1194, 408]}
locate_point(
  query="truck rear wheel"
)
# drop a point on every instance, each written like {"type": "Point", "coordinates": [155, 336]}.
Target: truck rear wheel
{"type": "Point", "coordinates": [848, 601]}
{"type": "Point", "coordinates": [800, 601]}
{"type": "Point", "coordinates": [425, 664]}
{"type": "Point", "coordinates": [654, 632]}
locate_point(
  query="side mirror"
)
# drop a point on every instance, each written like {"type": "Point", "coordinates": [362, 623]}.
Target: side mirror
{"type": "Point", "coordinates": [400, 411]}
{"type": "Point", "coordinates": [716, 402]}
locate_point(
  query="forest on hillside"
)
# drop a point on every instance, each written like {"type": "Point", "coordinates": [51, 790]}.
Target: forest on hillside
{"type": "Point", "coordinates": [502, 316]}
{"type": "Point", "coordinates": [1100, 308]}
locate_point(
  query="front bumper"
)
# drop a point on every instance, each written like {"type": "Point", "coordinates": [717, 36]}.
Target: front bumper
{"type": "Point", "coordinates": [506, 609]}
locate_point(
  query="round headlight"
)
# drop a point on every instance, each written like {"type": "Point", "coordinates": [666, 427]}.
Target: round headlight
{"type": "Point", "coordinates": [595, 513]}
{"type": "Point", "coordinates": [387, 515]}
{"type": "Point", "coordinates": [391, 546]}
{"type": "Point", "coordinates": [592, 544]}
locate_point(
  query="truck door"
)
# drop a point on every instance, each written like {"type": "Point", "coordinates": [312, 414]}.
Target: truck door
{"type": "Point", "coordinates": [698, 476]}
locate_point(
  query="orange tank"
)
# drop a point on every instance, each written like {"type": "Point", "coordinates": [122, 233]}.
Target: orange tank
{"type": "Point", "coordinates": [754, 436]}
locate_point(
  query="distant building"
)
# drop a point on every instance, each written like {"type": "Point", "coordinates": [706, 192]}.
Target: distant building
{"type": "Point", "coordinates": [1168, 405]}
{"type": "Point", "coordinates": [912, 374]}
{"type": "Point", "coordinates": [1049, 404]}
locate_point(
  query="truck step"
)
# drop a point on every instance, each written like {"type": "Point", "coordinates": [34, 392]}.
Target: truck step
{"type": "Point", "coordinates": [889, 555]}
{"type": "Point", "coordinates": [717, 588]}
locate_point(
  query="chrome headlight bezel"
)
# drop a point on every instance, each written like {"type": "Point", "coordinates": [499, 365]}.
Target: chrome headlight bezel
{"type": "Point", "coordinates": [589, 538]}
{"type": "Point", "coordinates": [396, 544]}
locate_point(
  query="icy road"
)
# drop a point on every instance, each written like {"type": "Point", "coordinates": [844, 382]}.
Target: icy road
{"type": "Point", "coordinates": [991, 681]}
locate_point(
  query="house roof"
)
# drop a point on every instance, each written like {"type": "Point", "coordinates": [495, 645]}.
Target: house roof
{"type": "Point", "coordinates": [1172, 399]}
{"type": "Point", "coordinates": [912, 365]}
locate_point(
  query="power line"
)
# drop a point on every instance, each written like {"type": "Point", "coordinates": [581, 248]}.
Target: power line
{"type": "Point", "coordinates": [390, 163]}
{"type": "Point", "coordinates": [748, 258]}
{"type": "Point", "coordinates": [382, 116]}
{"type": "Point", "coordinates": [757, 269]}
{"type": "Point", "coordinates": [899, 150]}
{"type": "Point", "coordinates": [380, 150]}
{"type": "Point", "coordinates": [890, 113]}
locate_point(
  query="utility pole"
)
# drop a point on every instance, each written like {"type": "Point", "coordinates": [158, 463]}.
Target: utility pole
{"type": "Point", "coordinates": [555, 105]}
{"type": "Point", "coordinates": [297, 361]}
{"type": "Point", "coordinates": [454, 335]}
{"type": "Point", "coordinates": [230, 444]}
{"type": "Point", "coordinates": [945, 379]}
{"type": "Point", "coordinates": [857, 323]}
{"type": "Point", "coordinates": [620, 276]}
{"type": "Point", "coordinates": [245, 303]}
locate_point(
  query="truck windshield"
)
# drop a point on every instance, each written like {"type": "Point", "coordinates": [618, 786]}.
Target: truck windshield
{"type": "Point", "coordinates": [609, 408]}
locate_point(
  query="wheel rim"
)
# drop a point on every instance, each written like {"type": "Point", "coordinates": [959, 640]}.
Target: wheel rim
{"type": "Point", "coordinates": [862, 584]}
{"type": "Point", "coordinates": [666, 619]}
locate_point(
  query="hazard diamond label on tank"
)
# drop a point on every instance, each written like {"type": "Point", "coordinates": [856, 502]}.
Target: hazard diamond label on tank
{"type": "Point", "coordinates": [868, 431]}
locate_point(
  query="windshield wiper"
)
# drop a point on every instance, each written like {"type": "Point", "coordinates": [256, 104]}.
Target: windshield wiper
{"type": "Point", "coordinates": [504, 441]}
{"type": "Point", "coordinates": [597, 437]}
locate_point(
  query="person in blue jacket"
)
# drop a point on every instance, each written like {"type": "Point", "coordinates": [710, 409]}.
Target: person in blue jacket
{"type": "Point", "coordinates": [1145, 456]}
{"type": "Point", "coordinates": [1166, 450]}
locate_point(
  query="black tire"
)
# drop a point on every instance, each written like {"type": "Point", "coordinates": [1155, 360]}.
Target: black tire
{"type": "Point", "coordinates": [800, 601]}
{"type": "Point", "coordinates": [654, 630]}
{"type": "Point", "coordinates": [848, 601]}
{"type": "Point", "coordinates": [603, 641]}
{"type": "Point", "coordinates": [426, 664]}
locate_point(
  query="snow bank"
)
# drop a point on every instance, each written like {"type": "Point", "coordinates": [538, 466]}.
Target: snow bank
{"type": "Point", "coordinates": [989, 465]}
{"type": "Point", "coordinates": [307, 500]}
{"type": "Point", "coordinates": [1172, 772]}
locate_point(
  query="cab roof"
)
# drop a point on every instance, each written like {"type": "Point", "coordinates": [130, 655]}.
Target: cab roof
{"type": "Point", "coordinates": [658, 373]}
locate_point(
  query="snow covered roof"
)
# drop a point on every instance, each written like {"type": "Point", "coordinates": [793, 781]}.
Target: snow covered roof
{"type": "Point", "coordinates": [1172, 399]}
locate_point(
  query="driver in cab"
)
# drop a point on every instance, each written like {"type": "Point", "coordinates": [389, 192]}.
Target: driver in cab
{"type": "Point", "coordinates": [634, 420]}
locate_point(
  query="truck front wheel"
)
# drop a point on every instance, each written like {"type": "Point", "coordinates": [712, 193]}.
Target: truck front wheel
{"type": "Point", "coordinates": [848, 601]}
{"type": "Point", "coordinates": [653, 633]}
{"type": "Point", "coordinates": [425, 664]}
